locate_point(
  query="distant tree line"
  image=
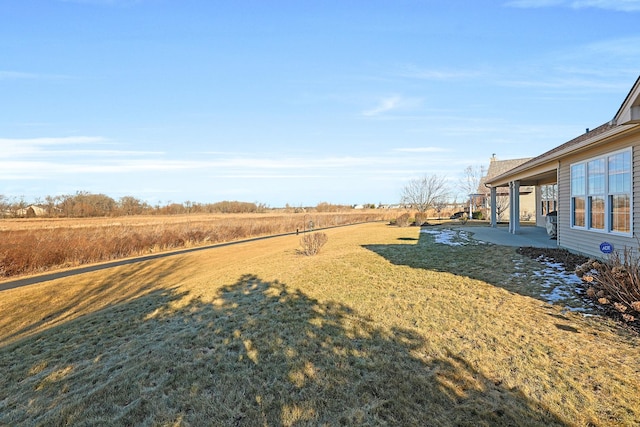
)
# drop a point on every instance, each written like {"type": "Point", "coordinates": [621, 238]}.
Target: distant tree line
{"type": "Point", "coordinates": [83, 204]}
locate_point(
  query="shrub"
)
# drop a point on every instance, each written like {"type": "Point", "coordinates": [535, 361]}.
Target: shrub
{"type": "Point", "coordinates": [614, 282]}
{"type": "Point", "coordinates": [421, 218]}
{"type": "Point", "coordinates": [477, 215]}
{"type": "Point", "coordinates": [403, 220]}
{"type": "Point", "coordinates": [312, 243]}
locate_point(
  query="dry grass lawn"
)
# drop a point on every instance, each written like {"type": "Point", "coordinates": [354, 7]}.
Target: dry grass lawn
{"type": "Point", "coordinates": [383, 327]}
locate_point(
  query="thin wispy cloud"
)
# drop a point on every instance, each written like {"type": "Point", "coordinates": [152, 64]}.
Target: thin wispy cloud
{"type": "Point", "coordinates": [7, 75]}
{"type": "Point", "coordinates": [16, 147]}
{"type": "Point", "coordinates": [103, 153]}
{"type": "Point", "coordinates": [298, 163]}
{"type": "Point", "coordinates": [609, 65]}
{"type": "Point", "coordinates": [53, 140]}
{"type": "Point", "coordinates": [565, 84]}
{"type": "Point", "coordinates": [385, 105]}
{"type": "Point", "coordinates": [91, 167]}
{"type": "Point", "coordinates": [268, 176]}
{"type": "Point", "coordinates": [618, 48]}
{"type": "Point", "coordinates": [392, 103]}
{"type": "Point", "coordinates": [615, 5]}
{"type": "Point", "coordinates": [33, 164]}
{"type": "Point", "coordinates": [22, 75]}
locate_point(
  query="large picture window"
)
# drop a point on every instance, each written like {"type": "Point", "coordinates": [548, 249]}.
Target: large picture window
{"type": "Point", "coordinates": [595, 188]}
{"type": "Point", "coordinates": [601, 193]}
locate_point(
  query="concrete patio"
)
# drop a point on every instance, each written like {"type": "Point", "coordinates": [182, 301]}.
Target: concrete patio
{"type": "Point", "coordinates": [527, 236]}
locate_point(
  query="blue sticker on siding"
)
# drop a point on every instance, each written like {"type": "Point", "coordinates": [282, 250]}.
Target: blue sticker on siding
{"type": "Point", "coordinates": [606, 247]}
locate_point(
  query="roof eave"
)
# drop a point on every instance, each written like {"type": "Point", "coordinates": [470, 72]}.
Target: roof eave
{"type": "Point", "coordinates": [555, 156]}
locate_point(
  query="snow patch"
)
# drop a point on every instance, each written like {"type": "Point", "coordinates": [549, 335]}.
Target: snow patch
{"type": "Point", "coordinates": [451, 237]}
{"type": "Point", "coordinates": [558, 286]}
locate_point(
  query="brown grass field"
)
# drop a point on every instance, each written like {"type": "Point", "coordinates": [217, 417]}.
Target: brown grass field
{"type": "Point", "coordinates": [383, 327]}
{"type": "Point", "coordinates": [35, 245]}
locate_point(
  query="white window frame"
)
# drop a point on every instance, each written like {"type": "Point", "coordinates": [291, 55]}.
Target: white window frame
{"type": "Point", "coordinates": [587, 194]}
{"type": "Point", "coordinates": [548, 198]}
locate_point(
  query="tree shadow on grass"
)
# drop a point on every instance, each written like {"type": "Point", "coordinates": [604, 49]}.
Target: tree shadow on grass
{"type": "Point", "coordinates": [259, 353]}
{"type": "Point", "coordinates": [463, 258]}
{"type": "Point", "coordinates": [497, 265]}
{"type": "Point", "coordinates": [101, 290]}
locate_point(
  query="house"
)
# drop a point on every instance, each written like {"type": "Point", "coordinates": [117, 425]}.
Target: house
{"type": "Point", "coordinates": [31, 212]}
{"type": "Point", "coordinates": [527, 193]}
{"type": "Point", "coordinates": [596, 179]}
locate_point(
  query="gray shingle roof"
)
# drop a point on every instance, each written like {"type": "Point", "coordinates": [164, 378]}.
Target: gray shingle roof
{"type": "Point", "coordinates": [498, 167]}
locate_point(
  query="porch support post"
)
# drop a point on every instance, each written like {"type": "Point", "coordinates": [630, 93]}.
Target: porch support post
{"type": "Point", "coordinates": [510, 206]}
{"type": "Point", "coordinates": [494, 213]}
{"type": "Point", "coordinates": [514, 207]}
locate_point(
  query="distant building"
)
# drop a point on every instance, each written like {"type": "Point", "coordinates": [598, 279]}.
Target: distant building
{"type": "Point", "coordinates": [31, 212]}
{"type": "Point", "coordinates": [527, 193]}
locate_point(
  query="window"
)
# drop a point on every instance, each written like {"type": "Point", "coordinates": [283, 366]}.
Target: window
{"type": "Point", "coordinates": [548, 198]}
{"type": "Point", "coordinates": [595, 190]}
{"type": "Point", "coordinates": [601, 193]}
{"type": "Point", "coordinates": [578, 186]}
{"type": "Point", "coordinates": [620, 192]}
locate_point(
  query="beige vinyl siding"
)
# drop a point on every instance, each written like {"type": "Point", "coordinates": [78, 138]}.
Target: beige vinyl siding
{"type": "Point", "coordinates": [635, 202]}
{"type": "Point", "coordinates": [588, 241]}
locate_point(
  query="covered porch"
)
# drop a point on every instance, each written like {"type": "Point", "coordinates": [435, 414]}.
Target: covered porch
{"type": "Point", "coordinates": [544, 175]}
{"type": "Point", "coordinates": [528, 236]}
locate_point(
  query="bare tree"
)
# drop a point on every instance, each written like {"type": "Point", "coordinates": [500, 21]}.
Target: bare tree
{"type": "Point", "coordinates": [129, 205]}
{"type": "Point", "coordinates": [471, 179]}
{"type": "Point", "coordinates": [425, 193]}
{"type": "Point", "coordinates": [470, 184]}
{"type": "Point", "coordinates": [4, 204]}
{"type": "Point", "coordinates": [502, 205]}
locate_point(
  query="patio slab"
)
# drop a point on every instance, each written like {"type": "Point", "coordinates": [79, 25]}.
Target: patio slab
{"type": "Point", "coordinates": [528, 236]}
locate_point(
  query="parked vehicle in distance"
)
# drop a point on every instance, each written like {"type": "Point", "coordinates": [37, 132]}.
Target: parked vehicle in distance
{"type": "Point", "coordinates": [457, 215]}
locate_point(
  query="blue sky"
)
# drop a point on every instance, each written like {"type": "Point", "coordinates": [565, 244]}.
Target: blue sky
{"type": "Point", "coordinates": [296, 102]}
